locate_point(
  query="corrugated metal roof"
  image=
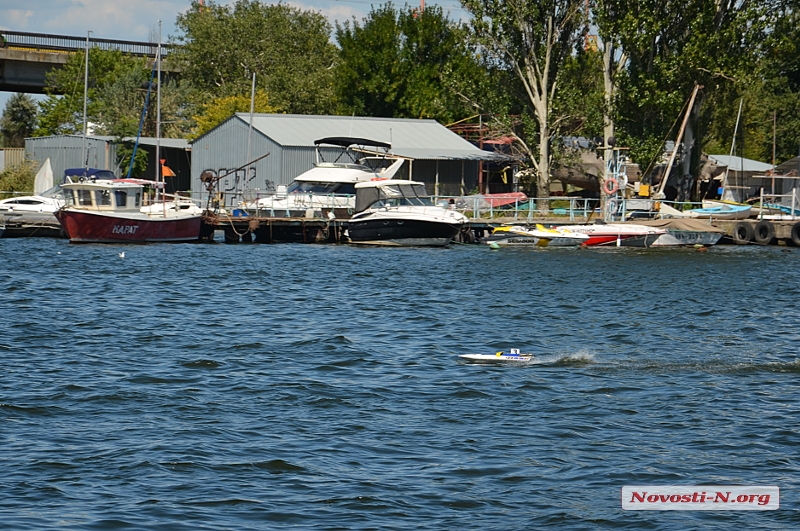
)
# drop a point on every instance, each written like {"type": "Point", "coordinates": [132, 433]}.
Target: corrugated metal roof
{"type": "Point", "coordinates": [416, 139]}
{"type": "Point", "coordinates": [735, 163]}
{"type": "Point", "coordinates": [177, 143]}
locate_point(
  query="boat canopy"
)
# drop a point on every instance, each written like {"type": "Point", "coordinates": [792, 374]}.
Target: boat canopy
{"type": "Point", "coordinates": [346, 141]}
{"type": "Point", "coordinates": [88, 173]}
{"type": "Point", "coordinates": [395, 191]}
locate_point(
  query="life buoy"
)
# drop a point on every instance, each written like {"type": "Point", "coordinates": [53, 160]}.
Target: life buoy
{"type": "Point", "coordinates": [611, 186]}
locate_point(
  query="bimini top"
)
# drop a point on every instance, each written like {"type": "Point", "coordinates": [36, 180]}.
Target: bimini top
{"type": "Point", "coordinates": [346, 141]}
{"type": "Point", "coordinates": [399, 191]}
{"type": "Point", "coordinates": [89, 173]}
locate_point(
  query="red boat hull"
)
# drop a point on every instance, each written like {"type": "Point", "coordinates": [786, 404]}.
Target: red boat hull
{"type": "Point", "coordinates": [603, 239]}
{"type": "Point", "coordinates": [100, 228]}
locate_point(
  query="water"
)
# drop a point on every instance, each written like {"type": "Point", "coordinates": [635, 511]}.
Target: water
{"type": "Point", "coordinates": [188, 387]}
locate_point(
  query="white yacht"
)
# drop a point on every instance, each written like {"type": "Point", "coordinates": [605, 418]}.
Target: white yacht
{"type": "Point", "coordinates": [400, 213]}
{"type": "Point", "coordinates": [329, 185]}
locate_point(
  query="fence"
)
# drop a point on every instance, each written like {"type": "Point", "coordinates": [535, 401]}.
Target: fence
{"type": "Point", "coordinates": [10, 157]}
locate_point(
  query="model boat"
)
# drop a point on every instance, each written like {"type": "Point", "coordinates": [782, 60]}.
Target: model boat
{"type": "Point", "coordinates": [514, 355]}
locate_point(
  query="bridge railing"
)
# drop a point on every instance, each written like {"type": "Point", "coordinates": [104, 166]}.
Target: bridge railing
{"type": "Point", "coordinates": [64, 43]}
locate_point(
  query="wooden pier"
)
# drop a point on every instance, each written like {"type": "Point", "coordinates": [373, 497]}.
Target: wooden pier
{"type": "Point", "coordinates": [249, 229]}
{"type": "Point", "coordinates": [761, 232]}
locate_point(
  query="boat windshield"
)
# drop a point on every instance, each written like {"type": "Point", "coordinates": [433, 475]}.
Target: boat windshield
{"type": "Point", "coordinates": [393, 195]}
{"type": "Point", "coordinates": [321, 188]}
{"type": "Point", "coordinates": [54, 192]}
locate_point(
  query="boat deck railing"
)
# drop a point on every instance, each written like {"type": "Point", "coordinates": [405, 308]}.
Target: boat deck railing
{"type": "Point", "coordinates": [555, 208]}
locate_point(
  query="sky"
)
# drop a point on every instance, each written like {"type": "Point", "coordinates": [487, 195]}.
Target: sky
{"type": "Point", "coordinates": [136, 20]}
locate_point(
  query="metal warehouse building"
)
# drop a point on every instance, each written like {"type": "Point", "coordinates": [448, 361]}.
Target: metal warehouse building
{"type": "Point", "coordinates": [445, 162]}
{"type": "Point", "coordinates": [66, 151]}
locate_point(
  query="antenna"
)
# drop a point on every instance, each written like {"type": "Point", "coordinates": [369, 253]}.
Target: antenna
{"type": "Point", "coordinates": [85, 160]}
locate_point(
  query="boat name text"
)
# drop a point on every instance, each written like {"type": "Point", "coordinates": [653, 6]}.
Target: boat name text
{"type": "Point", "coordinates": [124, 229]}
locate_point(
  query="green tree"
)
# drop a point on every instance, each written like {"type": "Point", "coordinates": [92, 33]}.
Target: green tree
{"type": "Point", "coordinates": [116, 96]}
{"type": "Point", "coordinates": [18, 179]}
{"type": "Point", "coordinates": [18, 120]}
{"type": "Point", "coordinates": [288, 49]}
{"type": "Point", "coordinates": [220, 109]}
{"type": "Point", "coordinates": [404, 63]}
{"type": "Point", "coordinates": [666, 48]}
{"type": "Point", "coordinates": [532, 39]}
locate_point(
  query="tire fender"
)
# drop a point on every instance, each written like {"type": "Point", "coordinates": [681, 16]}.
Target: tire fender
{"type": "Point", "coordinates": [763, 232]}
{"type": "Point", "coordinates": [796, 234]}
{"type": "Point", "coordinates": [742, 233]}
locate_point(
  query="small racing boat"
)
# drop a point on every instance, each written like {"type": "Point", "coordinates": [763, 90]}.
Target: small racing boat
{"type": "Point", "coordinates": [540, 236]}
{"type": "Point", "coordinates": [498, 357]}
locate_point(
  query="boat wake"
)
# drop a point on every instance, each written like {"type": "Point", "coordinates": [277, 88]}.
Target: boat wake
{"type": "Point", "coordinates": [572, 359]}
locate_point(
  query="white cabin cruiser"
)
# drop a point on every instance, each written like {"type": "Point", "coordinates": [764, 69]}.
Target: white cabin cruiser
{"type": "Point", "coordinates": [330, 184]}
{"type": "Point", "coordinates": [33, 208]}
{"type": "Point", "coordinates": [400, 213]}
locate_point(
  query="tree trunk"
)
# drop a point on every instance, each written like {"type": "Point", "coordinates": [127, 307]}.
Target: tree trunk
{"type": "Point", "coordinates": [608, 121]}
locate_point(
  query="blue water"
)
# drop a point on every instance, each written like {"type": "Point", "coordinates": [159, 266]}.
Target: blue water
{"type": "Point", "coordinates": [188, 387]}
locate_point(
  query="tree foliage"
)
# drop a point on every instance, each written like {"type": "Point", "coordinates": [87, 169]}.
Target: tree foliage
{"type": "Point", "coordinates": [18, 178]}
{"type": "Point", "coordinates": [669, 46]}
{"type": "Point", "coordinates": [289, 50]}
{"type": "Point", "coordinates": [116, 95]}
{"type": "Point", "coordinates": [533, 39]}
{"type": "Point", "coordinates": [18, 120]}
{"type": "Point", "coordinates": [404, 63]}
{"type": "Point", "coordinates": [220, 109]}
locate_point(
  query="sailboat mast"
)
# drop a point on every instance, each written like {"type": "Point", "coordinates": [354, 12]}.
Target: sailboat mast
{"type": "Point", "coordinates": [660, 193]}
{"type": "Point", "coordinates": [84, 157]}
{"type": "Point", "coordinates": [726, 194]}
{"type": "Point", "coordinates": [158, 115]}
{"type": "Point", "coordinates": [250, 136]}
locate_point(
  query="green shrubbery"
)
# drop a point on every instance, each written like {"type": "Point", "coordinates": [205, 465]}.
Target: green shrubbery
{"type": "Point", "coordinates": [18, 178]}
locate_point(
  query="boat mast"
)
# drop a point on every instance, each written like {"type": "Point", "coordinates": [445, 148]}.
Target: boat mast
{"type": "Point", "coordinates": [249, 136]}
{"type": "Point", "coordinates": [158, 118]}
{"type": "Point", "coordinates": [660, 193]}
{"type": "Point", "coordinates": [84, 155]}
{"type": "Point", "coordinates": [726, 194]}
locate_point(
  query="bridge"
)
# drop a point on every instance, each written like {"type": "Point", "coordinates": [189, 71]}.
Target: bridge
{"type": "Point", "coordinates": [26, 58]}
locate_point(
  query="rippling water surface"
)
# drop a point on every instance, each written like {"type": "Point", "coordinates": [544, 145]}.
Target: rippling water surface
{"type": "Point", "coordinates": [188, 387]}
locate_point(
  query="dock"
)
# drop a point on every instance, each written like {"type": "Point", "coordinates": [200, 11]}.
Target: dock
{"type": "Point", "coordinates": [250, 229]}
{"type": "Point", "coordinates": [760, 232]}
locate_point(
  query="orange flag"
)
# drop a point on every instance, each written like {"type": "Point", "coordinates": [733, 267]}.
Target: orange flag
{"type": "Point", "coordinates": [166, 171]}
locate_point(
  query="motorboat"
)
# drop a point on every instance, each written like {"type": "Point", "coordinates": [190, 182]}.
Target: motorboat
{"type": "Point", "coordinates": [514, 356]}
{"type": "Point", "coordinates": [101, 210]}
{"type": "Point", "coordinates": [33, 208]}
{"type": "Point", "coordinates": [539, 235]}
{"type": "Point", "coordinates": [400, 213]}
{"type": "Point", "coordinates": [329, 184]}
{"type": "Point", "coordinates": [621, 234]}
{"type": "Point", "coordinates": [684, 232]}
